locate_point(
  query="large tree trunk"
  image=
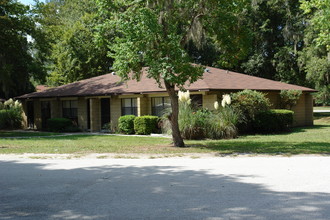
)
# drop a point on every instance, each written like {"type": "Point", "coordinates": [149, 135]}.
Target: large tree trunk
{"type": "Point", "coordinates": [176, 135]}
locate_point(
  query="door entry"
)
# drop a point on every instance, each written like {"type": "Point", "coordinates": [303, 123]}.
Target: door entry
{"type": "Point", "coordinates": [88, 105]}
{"type": "Point", "coordinates": [105, 111]}
{"type": "Point", "coordinates": [45, 113]}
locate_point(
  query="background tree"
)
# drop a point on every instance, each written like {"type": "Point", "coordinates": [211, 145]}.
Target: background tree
{"type": "Point", "coordinates": [74, 54]}
{"type": "Point", "coordinates": [277, 28]}
{"type": "Point", "coordinates": [316, 55]}
{"type": "Point", "coordinates": [18, 40]}
{"type": "Point", "coordinates": [156, 33]}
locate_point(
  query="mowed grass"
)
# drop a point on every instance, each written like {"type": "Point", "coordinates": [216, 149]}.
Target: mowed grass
{"type": "Point", "coordinates": [306, 140]}
{"type": "Point", "coordinates": [25, 134]}
{"type": "Point", "coordinates": [309, 140]}
{"type": "Point", "coordinates": [321, 108]}
{"type": "Point", "coordinates": [85, 144]}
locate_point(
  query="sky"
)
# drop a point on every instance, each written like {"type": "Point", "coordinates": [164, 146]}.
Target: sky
{"type": "Point", "coordinates": [28, 2]}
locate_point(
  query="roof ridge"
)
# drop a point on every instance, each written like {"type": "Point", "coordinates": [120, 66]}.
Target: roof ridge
{"type": "Point", "coordinates": [214, 79]}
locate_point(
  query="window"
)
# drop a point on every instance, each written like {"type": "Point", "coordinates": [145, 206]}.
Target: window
{"type": "Point", "coordinates": [196, 101]}
{"type": "Point", "coordinates": [70, 110]}
{"type": "Point", "coordinates": [129, 106]}
{"type": "Point", "coordinates": [159, 104]}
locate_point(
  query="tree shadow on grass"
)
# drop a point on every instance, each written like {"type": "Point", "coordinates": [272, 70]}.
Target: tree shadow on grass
{"type": "Point", "coordinates": [306, 128]}
{"type": "Point", "coordinates": [319, 115]}
{"type": "Point", "coordinates": [42, 191]}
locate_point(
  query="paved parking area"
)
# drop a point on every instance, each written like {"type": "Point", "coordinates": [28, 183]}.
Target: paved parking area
{"type": "Point", "coordinates": [171, 188]}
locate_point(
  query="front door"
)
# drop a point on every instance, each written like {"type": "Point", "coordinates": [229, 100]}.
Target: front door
{"type": "Point", "coordinates": [88, 113]}
{"type": "Point", "coordinates": [105, 111]}
{"type": "Point", "coordinates": [45, 113]}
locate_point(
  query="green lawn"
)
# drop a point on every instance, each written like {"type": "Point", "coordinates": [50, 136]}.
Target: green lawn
{"type": "Point", "coordinates": [307, 140]}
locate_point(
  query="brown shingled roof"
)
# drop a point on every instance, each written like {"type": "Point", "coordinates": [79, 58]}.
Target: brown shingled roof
{"type": "Point", "coordinates": [213, 79]}
{"type": "Point", "coordinates": [41, 88]}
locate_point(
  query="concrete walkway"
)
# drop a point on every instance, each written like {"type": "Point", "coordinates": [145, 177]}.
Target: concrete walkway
{"type": "Point", "coordinates": [173, 188]}
{"type": "Point", "coordinates": [321, 111]}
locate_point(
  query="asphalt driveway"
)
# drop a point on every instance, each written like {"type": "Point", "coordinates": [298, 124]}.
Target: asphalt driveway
{"type": "Point", "coordinates": [171, 188]}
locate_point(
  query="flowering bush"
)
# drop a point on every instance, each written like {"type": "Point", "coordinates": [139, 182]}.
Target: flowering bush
{"type": "Point", "coordinates": [226, 100]}
{"type": "Point", "coordinates": [203, 123]}
{"type": "Point", "coordinates": [11, 114]}
{"type": "Point", "coordinates": [184, 97]}
{"type": "Point", "coordinates": [191, 122]}
{"type": "Point", "coordinates": [222, 122]}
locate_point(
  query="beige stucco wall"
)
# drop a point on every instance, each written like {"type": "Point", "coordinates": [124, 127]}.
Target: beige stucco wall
{"type": "Point", "coordinates": [208, 100]}
{"type": "Point", "coordinates": [142, 103]}
{"type": "Point", "coordinates": [95, 114]}
{"type": "Point", "coordinates": [82, 113]}
{"type": "Point", "coordinates": [24, 114]}
{"type": "Point", "coordinates": [303, 110]}
{"type": "Point", "coordinates": [115, 111]}
{"type": "Point", "coordinates": [309, 119]}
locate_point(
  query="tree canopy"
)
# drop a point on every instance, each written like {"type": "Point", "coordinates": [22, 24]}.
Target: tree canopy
{"type": "Point", "coordinates": [62, 41]}
{"type": "Point", "coordinates": [18, 34]}
{"type": "Point", "coordinates": [74, 53]}
{"type": "Point", "coordinates": [316, 54]}
{"type": "Point", "coordinates": [156, 34]}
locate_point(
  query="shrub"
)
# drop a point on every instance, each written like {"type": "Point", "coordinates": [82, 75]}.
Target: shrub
{"type": "Point", "coordinates": [274, 120]}
{"type": "Point", "coordinates": [107, 127]}
{"type": "Point", "coordinates": [249, 103]}
{"type": "Point", "coordinates": [192, 123]}
{"type": "Point", "coordinates": [126, 124]}
{"type": "Point", "coordinates": [11, 115]}
{"type": "Point", "coordinates": [145, 125]}
{"type": "Point", "coordinates": [222, 123]}
{"type": "Point", "coordinates": [72, 128]}
{"type": "Point", "coordinates": [59, 125]}
{"type": "Point", "coordinates": [289, 98]}
{"type": "Point", "coordinates": [10, 119]}
{"type": "Point", "coordinates": [203, 123]}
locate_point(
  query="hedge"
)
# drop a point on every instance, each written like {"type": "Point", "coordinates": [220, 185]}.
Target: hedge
{"type": "Point", "coordinates": [274, 120]}
{"type": "Point", "coordinates": [145, 125]}
{"type": "Point", "coordinates": [59, 124]}
{"type": "Point", "coordinates": [126, 124]}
